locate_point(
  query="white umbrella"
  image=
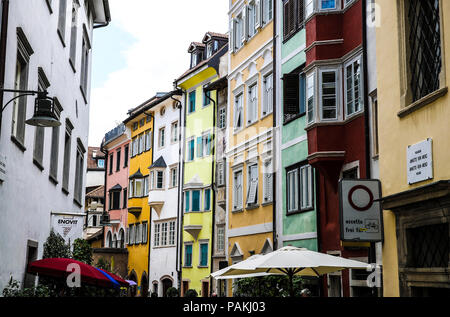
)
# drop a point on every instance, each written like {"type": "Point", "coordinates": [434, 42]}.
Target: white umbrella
{"type": "Point", "coordinates": [292, 261]}
{"type": "Point", "coordinates": [221, 274]}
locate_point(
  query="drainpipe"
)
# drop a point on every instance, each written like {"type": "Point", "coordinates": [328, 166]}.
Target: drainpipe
{"type": "Point", "coordinates": [274, 134]}
{"type": "Point", "coordinates": [106, 152]}
{"type": "Point", "coordinates": [372, 250]}
{"type": "Point", "coordinates": [213, 190]}
{"type": "Point", "coordinates": [3, 38]}
{"type": "Point", "coordinates": [178, 258]}
{"type": "Point", "coordinates": [149, 224]}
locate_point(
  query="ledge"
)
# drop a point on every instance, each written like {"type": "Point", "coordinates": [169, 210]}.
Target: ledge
{"type": "Point", "coordinates": [423, 102]}
{"type": "Point", "coordinates": [18, 143]}
{"type": "Point", "coordinates": [53, 180]}
{"type": "Point", "coordinates": [38, 164]}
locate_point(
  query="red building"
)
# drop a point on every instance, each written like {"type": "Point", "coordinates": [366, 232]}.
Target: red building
{"type": "Point", "coordinates": [336, 129]}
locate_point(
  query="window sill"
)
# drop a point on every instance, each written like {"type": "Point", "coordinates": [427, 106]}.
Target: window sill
{"type": "Point", "coordinates": [297, 116]}
{"type": "Point", "coordinates": [77, 203]}
{"type": "Point", "coordinates": [18, 143]}
{"type": "Point", "coordinates": [187, 267]}
{"type": "Point", "coordinates": [251, 207]}
{"type": "Point", "coordinates": [61, 37]}
{"type": "Point", "coordinates": [290, 36]}
{"type": "Point", "coordinates": [53, 180]}
{"type": "Point", "coordinates": [72, 66]}
{"type": "Point", "coordinates": [422, 102]}
{"type": "Point", "coordinates": [291, 213]}
{"type": "Point", "coordinates": [268, 203]}
{"type": "Point", "coordinates": [38, 165]}
{"type": "Point", "coordinates": [83, 93]}
{"type": "Point", "coordinates": [237, 210]}
{"type": "Point", "coordinates": [65, 191]}
{"type": "Point", "coordinates": [49, 6]}
{"type": "Point", "coordinates": [263, 116]}
{"type": "Point", "coordinates": [202, 266]}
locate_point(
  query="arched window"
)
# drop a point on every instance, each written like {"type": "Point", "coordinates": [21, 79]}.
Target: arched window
{"type": "Point", "coordinates": [109, 240]}
{"type": "Point", "coordinates": [114, 243]}
{"type": "Point", "coordinates": [121, 242]}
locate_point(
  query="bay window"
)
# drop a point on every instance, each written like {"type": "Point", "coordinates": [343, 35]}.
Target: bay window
{"type": "Point", "coordinates": [353, 89]}
{"type": "Point", "coordinates": [310, 92]}
{"type": "Point", "coordinates": [329, 95]}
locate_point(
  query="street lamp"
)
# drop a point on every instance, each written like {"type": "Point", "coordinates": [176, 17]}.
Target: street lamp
{"type": "Point", "coordinates": [45, 112]}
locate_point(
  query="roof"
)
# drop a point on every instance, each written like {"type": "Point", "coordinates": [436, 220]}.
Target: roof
{"type": "Point", "coordinates": [159, 163]}
{"type": "Point", "coordinates": [215, 56]}
{"type": "Point", "coordinates": [160, 97]}
{"type": "Point", "coordinates": [99, 192]}
{"type": "Point", "coordinates": [91, 160]}
{"type": "Point", "coordinates": [214, 34]}
{"type": "Point", "coordinates": [138, 174]}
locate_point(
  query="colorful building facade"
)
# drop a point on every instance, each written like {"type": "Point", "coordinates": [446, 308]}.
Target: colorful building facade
{"type": "Point", "coordinates": [199, 162]}
{"type": "Point", "coordinates": [249, 151]}
{"type": "Point", "coordinates": [413, 145]}
{"type": "Point", "coordinates": [140, 123]}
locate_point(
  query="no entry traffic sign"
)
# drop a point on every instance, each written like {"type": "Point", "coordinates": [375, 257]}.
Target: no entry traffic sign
{"type": "Point", "coordinates": [360, 210]}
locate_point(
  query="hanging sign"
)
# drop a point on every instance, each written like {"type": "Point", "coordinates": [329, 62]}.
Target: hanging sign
{"type": "Point", "coordinates": [68, 225]}
{"type": "Point", "coordinates": [360, 210]}
{"type": "Point", "coordinates": [419, 161]}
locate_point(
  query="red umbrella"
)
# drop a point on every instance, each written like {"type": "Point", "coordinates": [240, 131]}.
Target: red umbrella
{"type": "Point", "coordinates": [119, 280]}
{"type": "Point", "coordinates": [59, 268]}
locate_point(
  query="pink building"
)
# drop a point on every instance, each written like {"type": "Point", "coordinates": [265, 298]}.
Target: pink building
{"type": "Point", "coordinates": [116, 146]}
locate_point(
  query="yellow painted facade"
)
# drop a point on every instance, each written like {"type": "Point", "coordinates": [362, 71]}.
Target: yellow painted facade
{"type": "Point", "coordinates": [250, 227]}
{"type": "Point", "coordinates": [138, 253]}
{"type": "Point", "coordinates": [402, 124]}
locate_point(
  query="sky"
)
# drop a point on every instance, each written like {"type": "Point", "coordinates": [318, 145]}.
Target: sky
{"type": "Point", "coordinates": [142, 51]}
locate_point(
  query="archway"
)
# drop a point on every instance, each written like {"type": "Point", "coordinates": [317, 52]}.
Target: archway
{"type": "Point", "coordinates": [133, 289]}
{"type": "Point", "coordinates": [144, 285]}
{"type": "Point", "coordinates": [166, 284]}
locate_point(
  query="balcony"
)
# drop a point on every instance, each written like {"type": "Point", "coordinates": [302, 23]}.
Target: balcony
{"type": "Point", "coordinates": [135, 206]}
{"type": "Point", "coordinates": [193, 223]}
{"type": "Point", "coordinates": [156, 199]}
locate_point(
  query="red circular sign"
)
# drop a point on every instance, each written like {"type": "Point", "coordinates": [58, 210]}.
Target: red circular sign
{"type": "Point", "coordinates": [350, 199]}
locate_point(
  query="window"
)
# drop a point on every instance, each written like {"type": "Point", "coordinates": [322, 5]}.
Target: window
{"type": "Point", "coordinates": [144, 232]}
{"type": "Point", "coordinates": [188, 255]}
{"type": "Point", "coordinates": [199, 146]}
{"type": "Point", "coordinates": [137, 188]}
{"type": "Point", "coordinates": [157, 235]}
{"type": "Point", "coordinates": [172, 233]}
{"type": "Point", "coordinates": [132, 232]}
{"type": "Point", "coordinates": [293, 17]}
{"type": "Point", "coordinates": [237, 190]}
{"type": "Point", "coordinates": [267, 182]}
{"type": "Point", "coordinates": [162, 137]}
{"type": "Point", "coordinates": [252, 185]}
{"type": "Point", "coordinates": [67, 150]}
{"type": "Point", "coordinates": [267, 10]}
{"type": "Point", "coordinates": [39, 136]}
{"type": "Point", "coordinates": [138, 233]}
{"type": "Point", "coordinates": [299, 190]}
{"type": "Point", "coordinates": [252, 108]}
{"type": "Point", "coordinates": [135, 147]}
{"type": "Point", "coordinates": [101, 163]}
{"type": "Point", "coordinates": [206, 98]}
{"type": "Point", "coordinates": [174, 132]}
{"type": "Point", "coordinates": [148, 140]}
{"type": "Point", "coordinates": [135, 126]}
{"type": "Point", "coordinates": [329, 101]}
{"type": "Point", "coordinates": [267, 95]}
{"type": "Point", "coordinates": [159, 180]}
{"type": "Point", "coordinates": [164, 233]}
{"type": "Point", "coordinates": [353, 87]}
{"type": "Point", "coordinates": [191, 102]}
{"type": "Point", "coordinates": [146, 189]}
{"type": "Point", "coordinates": [203, 254]}
{"type": "Point", "coordinates": [220, 244]}
{"type": "Point", "coordinates": [238, 29]}
{"type": "Point", "coordinates": [220, 174]}
{"type": "Point", "coordinates": [174, 177]}
{"type": "Point", "coordinates": [252, 18]}
{"type": "Point", "coordinates": [310, 98]}
{"type": "Point", "coordinates": [73, 34]}
{"type": "Point", "coordinates": [118, 154]}
{"type": "Point", "coordinates": [291, 96]}
{"type": "Point", "coordinates": [24, 52]}
{"type": "Point", "coordinates": [32, 254]}
{"type": "Point", "coordinates": [222, 117]}
{"type": "Point", "coordinates": [85, 51]}
{"type": "Point", "coordinates": [424, 45]}
{"type": "Point", "coordinates": [209, 50]}
{"type": "Point", "coordinates": [207, 200]}
{"type": "Point", "coordinates": [125, 198]}
{"type": "Point", "coordinates": [327, 4]}
{"type": "Point", "coordinates": [114, 200]}
{"type": "Point", "coordinates": [111, 162]}
{"type": "Point", "coordinates": [375, 144]}
{"type": "Point", "coordinates": [206, 144]}
{"type": "Point", "coordinates": [238, 112]}
{"type": "Point", "coordinates": [126, 155]}
{"type": "Point", "coordinates": [196, 200]}
{"type": "Point", "coordinates": [79, 172]}
{"type": "Point", "coordinates": [54, 154]}
{"type": "Point", "coordinates": [191, 149]}
{"type": "Point", "coordinates": [141, 143]}
{"type": "Point", "coordinates": [62, 20]}
{"type": "Point", "coordinates": [309, 7]}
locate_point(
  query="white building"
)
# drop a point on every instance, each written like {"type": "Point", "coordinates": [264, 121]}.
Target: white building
{"type": "Point", "coordinates": [164, 193]}
{"type": "Point", "coordinates": [48, 47]}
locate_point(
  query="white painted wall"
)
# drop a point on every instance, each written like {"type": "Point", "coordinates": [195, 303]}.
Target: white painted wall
{"type": "Point", "coordinates": [163, 260]}
{"type": "Point", "coordinates": [27, 196]}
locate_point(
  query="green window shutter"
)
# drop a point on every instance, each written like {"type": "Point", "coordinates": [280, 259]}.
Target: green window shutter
{"type": "Point", "coordinates": [291, 98]}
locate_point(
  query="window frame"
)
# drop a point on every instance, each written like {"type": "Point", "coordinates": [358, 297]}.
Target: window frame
{"type": "Point", "coordinates": [255, 203]}
{"type": "Point", "coordinates": [238, 205]}
{"type": "Point", "coordinates": [297, 169]}
{"type": "Point", "coordinates": [337, 71]}
{"type": "Point", "coordinates": [351, 63]}
{"type": "Point", "coordinates": [206, 258]}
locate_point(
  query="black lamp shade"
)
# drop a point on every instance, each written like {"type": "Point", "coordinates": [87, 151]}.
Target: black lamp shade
{"type": "Point", "coordinates": [45, 113]}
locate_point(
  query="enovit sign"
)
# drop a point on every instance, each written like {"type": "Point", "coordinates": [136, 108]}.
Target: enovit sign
{"type": "Point", "coordinates": [68, 225]}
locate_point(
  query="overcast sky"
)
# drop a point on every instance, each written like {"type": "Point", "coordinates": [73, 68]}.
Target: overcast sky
{"type": "Point", "coordinates": [142, 51]}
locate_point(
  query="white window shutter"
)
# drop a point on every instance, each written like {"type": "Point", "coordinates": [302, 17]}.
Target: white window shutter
{"type": "Point", "coordinates": [244, 35]}
{"type": "Point", "coordinates": [231, 43]}
{"type": "Point", "coordinates": [258, 9]}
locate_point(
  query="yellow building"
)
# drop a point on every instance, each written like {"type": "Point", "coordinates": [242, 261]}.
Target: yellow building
{"type": "Point", "coordinates": [140, 123]}
{"type": "Point", "coordinates": [413, 47]}
{"type": "Point", "coordinates": [250, 137]}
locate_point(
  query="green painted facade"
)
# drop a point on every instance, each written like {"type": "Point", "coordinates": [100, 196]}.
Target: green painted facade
{"type": "Point", "coordinates": [294, 150]}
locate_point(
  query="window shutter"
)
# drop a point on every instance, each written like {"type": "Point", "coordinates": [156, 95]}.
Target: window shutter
{"type": "Point", "coordinates": [232, 36]}
{"type": "Point", "coordinates": [291, 13]}
{"type": "Point", "coordinates": [244, 35]}
{"type": "Point", "coordinates": [302, 93]}
{"type": "Point", "coordinates": [258, 19]}
{"type": "Point", "coordinates": [291, 93]}
{"type": "Point", "coordinates": [286, 18]}
{"type": "Point", "coordinates": [300, 13]}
